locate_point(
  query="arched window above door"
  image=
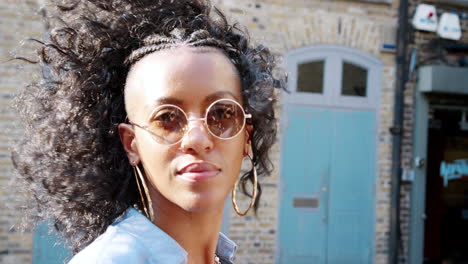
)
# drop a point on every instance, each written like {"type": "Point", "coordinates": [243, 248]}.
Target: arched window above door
{"type": "Point", "coordinates": [329, 75]}
{"type": "Point", "coordinates": [310, 77]}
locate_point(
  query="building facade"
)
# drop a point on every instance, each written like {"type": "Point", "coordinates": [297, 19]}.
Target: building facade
{"type": "Point", "coordinates": [328, 200]}
{"type": "Point", "coordinates": [434, 219]}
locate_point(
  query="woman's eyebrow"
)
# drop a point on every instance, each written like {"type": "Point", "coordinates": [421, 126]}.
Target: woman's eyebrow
{"type": "Point", "coordinates": [163, 101]}
{"type": "Point", "coordinates": [221, 94]}
{"type": "Point", "coordinates": [167, 100]}
{"type": "Point", "coordinates": [210, 98]}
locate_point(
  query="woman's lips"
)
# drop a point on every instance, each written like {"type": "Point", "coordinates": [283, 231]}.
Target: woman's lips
{"type": "Point", "coordinates": [198, 171]}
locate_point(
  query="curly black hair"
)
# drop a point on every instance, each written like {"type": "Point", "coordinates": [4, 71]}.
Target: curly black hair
{"type": "Point", "coordinates": [70, 156]}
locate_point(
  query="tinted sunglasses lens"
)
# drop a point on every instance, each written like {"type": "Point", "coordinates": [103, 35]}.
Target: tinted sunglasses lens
{"type": "Point", "coordinates": [168, 124]}
{"type": "Point", "coordinates": [225, 119]}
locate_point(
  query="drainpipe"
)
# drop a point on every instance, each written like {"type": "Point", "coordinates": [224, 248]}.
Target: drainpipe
{"type": "Point", "coordinates": [397, 132]}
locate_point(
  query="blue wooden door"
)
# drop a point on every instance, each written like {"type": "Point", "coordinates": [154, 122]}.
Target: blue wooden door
{"type": "Point", "coordinates": [328, 168]}
{"type": "Point", "coordinates": [47, 248]}
{"type": "Point", "coordinates": [303, 198]}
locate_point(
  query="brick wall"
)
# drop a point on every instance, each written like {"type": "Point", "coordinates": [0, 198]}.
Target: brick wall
{"type": "Point", "coordinates": [287, 25]}
{"type": "Point", "coordinates": [426, 54]}
{"type": "Point", "coordinates": [18, 20]}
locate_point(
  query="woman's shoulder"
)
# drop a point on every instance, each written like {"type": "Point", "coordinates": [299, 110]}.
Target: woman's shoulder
{"type": "Point", "coordinates": [113, 246]}
{"type": "Point", "coordinates": [132, 238]}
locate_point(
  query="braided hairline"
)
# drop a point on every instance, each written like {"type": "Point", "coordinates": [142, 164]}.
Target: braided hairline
{"type": "Point", "coordinates": [153, 43]}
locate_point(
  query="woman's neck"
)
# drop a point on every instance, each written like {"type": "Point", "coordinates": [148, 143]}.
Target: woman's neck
{"type": "Point", "coordinates": [196, 232]}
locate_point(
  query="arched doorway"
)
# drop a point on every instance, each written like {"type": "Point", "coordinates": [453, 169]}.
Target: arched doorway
{"type": "Point", "coordinates": [328, 156]}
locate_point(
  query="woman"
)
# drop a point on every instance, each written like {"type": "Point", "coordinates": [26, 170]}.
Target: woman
{"type": "Point", "coordinates": [136, 133]}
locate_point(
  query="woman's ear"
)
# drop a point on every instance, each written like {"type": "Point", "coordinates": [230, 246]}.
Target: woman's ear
{"type": "Point", "coordinates": [127, 137]}
{"type": "Point", "coordinates": [248, 140]}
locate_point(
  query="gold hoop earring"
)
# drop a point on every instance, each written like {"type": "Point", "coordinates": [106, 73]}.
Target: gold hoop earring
{"type": "Point", "coordinates": [146, 202]}
{"type": "Point", "coordinates": [254, 192]}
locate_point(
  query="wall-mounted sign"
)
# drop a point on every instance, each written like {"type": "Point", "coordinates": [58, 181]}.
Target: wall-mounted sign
{"type": "Point", "coordinates": [389, 33]}
{"type": "Point", "coordinates": [425, 18]}
{"type": "Point", "coordinates": [449, 26]}
{"type": "Point", "coordinates": [456, 170]}
{"type": "Point", "coordinates": [463, 123]}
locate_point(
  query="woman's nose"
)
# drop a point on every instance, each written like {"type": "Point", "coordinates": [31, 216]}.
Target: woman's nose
{"type": "Point", "coordinates": [197, 138]}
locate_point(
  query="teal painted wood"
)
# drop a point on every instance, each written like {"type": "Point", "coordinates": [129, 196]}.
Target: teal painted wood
{"type": "Point", "coordinates": [352, 179]}
{"type": "Point", "coordinates": [47, 248]}
{"type": "Point", "coordinates": [306, 152]}
{"type": "Point", "coordinates": [418, 193]}
{"type": "Point", "coordinates": [328, 155]}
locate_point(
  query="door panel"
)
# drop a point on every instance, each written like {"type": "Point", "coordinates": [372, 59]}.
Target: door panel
{"type": "Point", "coordinates": [351, 184]}
{"type": "Point", "coordinates": [328, 157]}
{"type": "Point", "coordinates": [47, 248]}
{"type": "Point", "coordinates": [306, 152]}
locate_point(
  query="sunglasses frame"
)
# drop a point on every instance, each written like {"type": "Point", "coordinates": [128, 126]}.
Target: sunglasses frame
{"type": "Point", "coordinates": [205, 123]}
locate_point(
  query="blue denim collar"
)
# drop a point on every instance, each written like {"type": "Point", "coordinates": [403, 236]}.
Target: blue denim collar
{"type": "Point", "coordinates": [163, 247]}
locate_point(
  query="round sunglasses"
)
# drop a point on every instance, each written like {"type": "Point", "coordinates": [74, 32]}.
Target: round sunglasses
{"type": "Point", "coordinates": [224, 119]}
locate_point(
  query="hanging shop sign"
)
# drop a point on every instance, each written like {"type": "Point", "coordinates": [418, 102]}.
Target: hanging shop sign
{"type": "Point", "coordinates": [458, 169]}
{"type": "Point", "coordinates": [449, 26]}
{"type": "Point", "coordinates": [425, 18]}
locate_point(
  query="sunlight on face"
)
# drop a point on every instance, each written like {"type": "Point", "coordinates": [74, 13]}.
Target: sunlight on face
{"type": "Point", "coordinates": [197, 173]}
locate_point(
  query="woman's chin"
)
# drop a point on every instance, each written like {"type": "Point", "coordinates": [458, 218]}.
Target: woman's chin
{"type": "Point", "coordinates": [200, 203]}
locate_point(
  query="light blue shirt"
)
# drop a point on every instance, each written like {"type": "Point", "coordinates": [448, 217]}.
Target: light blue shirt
{"type": "Point", "coordinates": [132, 238]}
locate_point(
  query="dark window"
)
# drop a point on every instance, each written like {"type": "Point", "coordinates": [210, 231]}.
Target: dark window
{"type": "Point", "coordinates": [310, 77]}
{"type": "Point", "coordinates": [354, 81]}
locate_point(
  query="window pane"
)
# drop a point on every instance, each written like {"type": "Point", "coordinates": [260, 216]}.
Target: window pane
{"type": "Point", "coordinates": [354, 81]}
{"type": "Point", "coordinates": [310, 77]}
